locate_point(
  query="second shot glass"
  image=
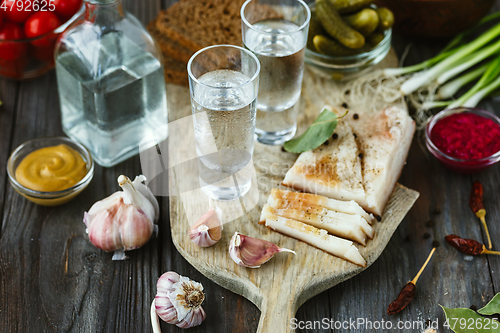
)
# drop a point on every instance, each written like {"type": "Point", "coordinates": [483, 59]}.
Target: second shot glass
{"type": "Point", "coordinates": [276, 32]}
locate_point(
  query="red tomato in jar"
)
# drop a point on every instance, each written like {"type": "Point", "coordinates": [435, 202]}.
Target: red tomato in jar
{"type": "Point", "coordinates": [17, 10]}
{"type": "Point", "coordinates": [1, 19]}
{"type": "Point", "coordinates": [39, 24]}
{"type": "Point", "coordinates": [66, 8]}
{"type": "Point", "coordinates": [9, 49]}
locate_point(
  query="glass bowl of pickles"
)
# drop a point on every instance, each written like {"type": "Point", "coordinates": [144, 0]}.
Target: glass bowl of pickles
{"type": "Point", "coordinates": [347, 38]}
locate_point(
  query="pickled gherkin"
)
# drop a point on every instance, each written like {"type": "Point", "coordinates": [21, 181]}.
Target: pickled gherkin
{"type": "Point", "coordinates": [386, 18]}
{"type": "Point", "coordinates": [349, 6]}
{"type": "Point", "coordinates": [331, 47]}
{"type": "Point", "coordinates": [335, 26]}
{"type": "Point", "coordinates": [364, 21]}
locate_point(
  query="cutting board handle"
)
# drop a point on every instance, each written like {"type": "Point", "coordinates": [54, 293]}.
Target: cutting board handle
{"type": "Point", "coordinates": [276, 312]}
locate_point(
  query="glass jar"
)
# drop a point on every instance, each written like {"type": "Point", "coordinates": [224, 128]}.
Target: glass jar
{"type": "Point", "coordinates": [111, 83]}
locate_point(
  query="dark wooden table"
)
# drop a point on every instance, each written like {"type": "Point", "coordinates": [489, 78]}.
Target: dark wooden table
{"type": "Point", "coordinates": [53, 280]}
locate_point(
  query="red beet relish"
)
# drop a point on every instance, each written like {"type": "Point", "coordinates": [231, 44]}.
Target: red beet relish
{"type": "Point", "coordinates": [466, 136]}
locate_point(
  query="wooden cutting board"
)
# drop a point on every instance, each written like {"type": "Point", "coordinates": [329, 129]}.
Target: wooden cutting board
{"type": "Point", "coordinates": [283, 284]}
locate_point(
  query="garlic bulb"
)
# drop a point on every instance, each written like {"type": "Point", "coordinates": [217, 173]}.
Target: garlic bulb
{"type": "Point", "coordinates": [252, 252]}
{"type": "Point", "coordinates": [208, 229]}
{"type": "Point", "coordinates": [178, 301]}
{"type": "Point", "coordinates": [125, 220]}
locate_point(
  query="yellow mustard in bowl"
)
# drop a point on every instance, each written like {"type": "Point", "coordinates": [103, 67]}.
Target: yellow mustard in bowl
{"type": "Point", "coordinates": [51, 169]}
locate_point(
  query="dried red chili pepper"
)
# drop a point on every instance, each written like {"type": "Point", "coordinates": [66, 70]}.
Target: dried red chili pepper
{"type": "Point", "coordinates": [408, 292]}
{"type": "Point", "coordinates": [404, 298]}
{"type": "Point", "coordinates": [468, 246]}
{"type": "Point", "coordinates": [477, 206]}
{"type": "Point", "coordinates": [476, 197]}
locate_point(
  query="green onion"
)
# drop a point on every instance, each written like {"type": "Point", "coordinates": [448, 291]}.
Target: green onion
{"type": "Point", "coordinates": [464, 60]}
{"type": "Point", "coordinates": [450, 89]}
{"type": "Point", "coordinates": [469, 61]}
{"type": "Point", "coordinates": [490, 75]}
{"type": "Point", "coordinates": [477, 97]}
{"type": "Point", "coordinates": [435, 104]}
{"type": "Point", "coordinates": [424, 65]}
{"type": "Point", "coordinates": [446, 64]}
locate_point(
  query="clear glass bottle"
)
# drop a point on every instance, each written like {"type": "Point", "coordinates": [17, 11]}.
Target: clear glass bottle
{"type": "Point", "coordinates": [111, 83]}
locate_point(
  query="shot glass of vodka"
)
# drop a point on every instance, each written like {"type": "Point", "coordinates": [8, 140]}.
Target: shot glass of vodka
{"type": "Point", "coordinates": [223, 83]}
{"type": "Point", "coordinates": [276, 32]}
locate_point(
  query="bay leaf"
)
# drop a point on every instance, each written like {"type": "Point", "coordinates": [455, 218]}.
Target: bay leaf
{"type": "Point", "coordinates": [462, 320]}
{"type": "Point", "coordinates": [493, 307]}
{"type": "Point", "coordinates": [319, 131]}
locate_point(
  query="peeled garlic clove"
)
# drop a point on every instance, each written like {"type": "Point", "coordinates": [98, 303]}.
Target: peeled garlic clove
{"type": "Point", "coordinates": [123, 221]}
{"type": "Point", "coordinates": [208, 229]}
{"type": "Point", "coordinates": [178, 300]}
{"type": "Point", "coordinates": [252, 252]}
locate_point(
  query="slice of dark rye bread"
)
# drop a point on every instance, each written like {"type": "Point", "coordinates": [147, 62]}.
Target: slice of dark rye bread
{"type": "Point", "coordinates": [196, 24]}
{"type": "Point", "coordinates": [175, 69]}
{"type": "Point", "coordinates": [168, 46]}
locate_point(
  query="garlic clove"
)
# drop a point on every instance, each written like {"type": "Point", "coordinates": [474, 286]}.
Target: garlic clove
{"type": "Point", "coordinates": [252, 252]}
{"type": "Point", "coordinates": [194, 318]}
{"type": "Point", "coordinates": [140, 185]}
{"type": "Point", "coordinates": [164, 307]}
{"type": "Point", "coordinates": [166, 282]}
{"type": "Point", "coordinates": [132, 196]}
{"type": "Point", "coordinates": [178, 300]}
{"type": "Point", "coordinates": [208, 229]}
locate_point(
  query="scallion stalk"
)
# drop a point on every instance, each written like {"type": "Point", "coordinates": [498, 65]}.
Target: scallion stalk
{"type": "Point", "coordinates": [490, 75]}
{"type": "Point", "coordinates": [451, 88]}
{"type": "Point", "coordinates": [435, 104]}
{"type": "Point", "coordinates": [446, 64]}
{"type": "Point", "coordinates": [477, 97]}
{"type": "Point", "coordinates": [470, 61]}
{"type": "Point", "coordinates": [423, 65]}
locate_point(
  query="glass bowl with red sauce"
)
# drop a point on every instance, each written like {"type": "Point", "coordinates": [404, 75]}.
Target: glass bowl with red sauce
{"type": "Point", "coordinates": [465, 140]}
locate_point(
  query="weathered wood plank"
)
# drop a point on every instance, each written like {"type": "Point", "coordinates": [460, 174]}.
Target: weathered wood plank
{"type": "Point", "coordinates": [51, 277]}
{"type": "Point", "coordinates": [8, 96]}
{"type": "Point", "coordinates": [94, 294]}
